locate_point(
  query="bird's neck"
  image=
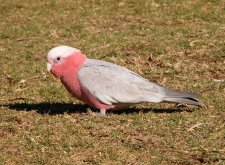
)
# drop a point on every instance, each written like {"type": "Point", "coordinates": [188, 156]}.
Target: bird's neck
{"type": "Point", "coordinates": [74, 62]}
{"type": "Point", "coordinates": [69, 74]}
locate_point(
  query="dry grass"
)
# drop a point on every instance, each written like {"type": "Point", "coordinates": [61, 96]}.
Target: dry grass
{"type": "Point", "coordinates": [179, 44]}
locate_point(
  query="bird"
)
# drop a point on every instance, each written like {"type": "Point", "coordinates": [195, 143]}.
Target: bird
{"type": "Point", "coordinates": [105, 85]}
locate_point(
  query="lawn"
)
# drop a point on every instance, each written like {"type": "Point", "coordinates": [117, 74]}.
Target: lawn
{"type": "Point", "coordinates": [176, 43]}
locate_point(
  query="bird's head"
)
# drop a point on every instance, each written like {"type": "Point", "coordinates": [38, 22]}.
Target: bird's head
{"type": "Point", "coordinates": [62, 59]}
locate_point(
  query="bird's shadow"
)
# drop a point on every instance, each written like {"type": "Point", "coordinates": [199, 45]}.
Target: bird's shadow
{"type": "Point", "coordinates": [60, 108]}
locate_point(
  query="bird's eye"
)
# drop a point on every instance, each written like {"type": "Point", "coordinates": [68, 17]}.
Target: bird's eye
{"type": "Point", "coordinates": [58, 58]}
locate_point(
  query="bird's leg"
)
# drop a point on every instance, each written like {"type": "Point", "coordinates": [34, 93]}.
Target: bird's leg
{"type": "Point", "coordinates": [103, 111]}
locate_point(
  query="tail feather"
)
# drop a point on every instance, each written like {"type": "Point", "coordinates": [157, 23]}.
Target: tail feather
{"type": "Point", "coordinates": [181, 97]}
{"type": "Point", "coordinates": [190, 101]}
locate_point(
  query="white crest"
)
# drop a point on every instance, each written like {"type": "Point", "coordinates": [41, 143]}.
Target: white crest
{"type": "Point", "coordinates": [61, 51]}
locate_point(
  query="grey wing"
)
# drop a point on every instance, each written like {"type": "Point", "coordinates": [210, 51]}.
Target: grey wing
{"type": "Point", "coordinates": [113, 84]}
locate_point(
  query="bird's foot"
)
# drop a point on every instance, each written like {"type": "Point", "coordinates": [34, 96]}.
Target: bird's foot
{"type": "Point", "coordinates": [102, 112]}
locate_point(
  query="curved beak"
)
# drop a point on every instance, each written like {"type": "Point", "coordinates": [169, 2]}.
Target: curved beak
{"type": "Point", "coordinates": [49, 66]}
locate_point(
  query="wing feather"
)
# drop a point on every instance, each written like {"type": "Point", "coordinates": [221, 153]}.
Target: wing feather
{"type": "Point", "coordinates": [113, 84]}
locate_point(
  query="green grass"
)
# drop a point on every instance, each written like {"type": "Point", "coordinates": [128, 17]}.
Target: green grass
{"type": "Point", "coordinates": [178, 44]}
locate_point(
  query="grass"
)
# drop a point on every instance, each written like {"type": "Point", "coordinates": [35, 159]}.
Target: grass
{"type": "Point", "coordinates": [178, 44]}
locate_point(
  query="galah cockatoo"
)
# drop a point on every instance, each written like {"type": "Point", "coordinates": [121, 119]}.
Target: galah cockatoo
{"type": "Point", "coordinates": [104, 85]}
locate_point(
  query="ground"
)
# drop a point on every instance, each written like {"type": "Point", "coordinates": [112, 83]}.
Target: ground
{"type": "Point", "coordinates": [176, 43]}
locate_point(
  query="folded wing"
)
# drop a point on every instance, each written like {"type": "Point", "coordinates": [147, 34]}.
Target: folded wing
{"type": "Point", "coordinates": [113, 84]}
